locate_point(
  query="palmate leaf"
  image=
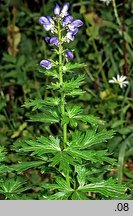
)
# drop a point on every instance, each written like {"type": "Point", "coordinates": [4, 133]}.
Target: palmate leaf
{"type": "Point", "coordinates": [70, 67]}
{"type": "Point", "coordinates": [22, 166]}
{"type": "Point", "coordinates": [73, 84]}
{"type": "Point", "coordinates": [51, 72]}
{"type": "Point", "coordinates": [90, 138]}
{"type": "Point", "coordinates": [81, 175]}
{"type": "Point", "coordinates": [12, 187]}
{"type": "Point", "coordinates": [78, 195]}
{"type": "Point", "coordinates": [63, 160]}
{"type": "Point", "coordinates": [39, 103]}
{"type": "Point", "coordinates": [63, 195]}
{"type": "Point", "coordinates": [93, 120]}
{"type": "Point", "coordinates": [109, 188]}
{"type": "Point", "coordinates": [75, 92]}
{"type": "Point", "coordinates": [40, 146]}
{"type": "Point", "coordinates": [91, 155]}
{"type": "Point", "coordinates": [61, 185]}
{"type": "Point", "coordinates": [47, 116]}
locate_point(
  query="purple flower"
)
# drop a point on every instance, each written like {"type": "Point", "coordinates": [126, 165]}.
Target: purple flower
{"type": "Point", "coordinates": [62, 13]}
{"type": "Point", "coordinates": [75, 24]}
{"type": "Point", "coordinates": [69, 54]}
{"type": "Point", "coordinates": [71, 35]}
{"type": "Point", "coordinates": [54, 40]}
{"type": "Point", "coordinates": [57, 9]}
{"type": "Point", "coordinates": [47, 22]}
{"type": "Point", "coordinates": [46, 64]}
{"type": "Point", "coordinates": [67, 20]}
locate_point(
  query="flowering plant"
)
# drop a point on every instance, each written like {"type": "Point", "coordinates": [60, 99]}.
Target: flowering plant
{"type": "Point", "coordinates": [72, 156]}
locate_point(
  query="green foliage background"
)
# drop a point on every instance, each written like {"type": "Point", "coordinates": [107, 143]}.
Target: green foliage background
{"type": "Point", "coordinates": [106, 53]}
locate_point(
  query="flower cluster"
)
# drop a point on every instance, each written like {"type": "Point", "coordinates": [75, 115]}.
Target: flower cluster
{"type": "Point", "coordinates": [60, 22]}
{"type": "Point", "coordinates": [119, 80]}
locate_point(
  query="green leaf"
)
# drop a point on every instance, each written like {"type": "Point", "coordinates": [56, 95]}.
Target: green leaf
{"type": "Point", "coordinates": [63, 195]}
{"type": "Point", "coordinates": [93, 120]}
{"type": "Point", "coordinates": [22, 166]}
{"type": "Point", "coordinates": [47, 116]}
{"type": "Point", "coordinates": [2, 154]}
{"type": "Point", "coordinates": [92, 137]}
{"type": "Point", "coordinates": [64, 189]}
{"type": "Point", "coordinates": [91, 155]}
{"type": "Point", "coordinates": [75, 92]}
{"type": "Point", "coordinates": [73, 84]}
{"type": "Point", "coordinates": [3, 169]}
{"type": "Point", "coordinates": [108, 188]}
{"type": "Point", "coordinates": [21, 61]}
{"type": "Point", "coordinates": [69, 67]}
{"type": "Point", "coordinates": [78, 195]}
{"type": "Point", "coordinates": [40, 146]}
{"type": "Point", "coordinates": [10, 187]}
{"type": "Point", "coordinates": [51, 72]}
{"type": "Point", "coordinates": [64, 161]}
{"type": "Point", "coordinates": [39, 103]}
{"type": "Point", "coordinates": [81, 175]}
{"type": "Point", "coordinates": [127, 38]}
{"type": "Point", "coordinates": [73, 110]}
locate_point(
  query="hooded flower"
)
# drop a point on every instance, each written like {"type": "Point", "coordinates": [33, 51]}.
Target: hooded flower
{"type": "Point", "coordinates": [46, 64]}
{"type": "Point", "coordinates": [69, 54]}
{"type": "Point", "coordinates": [52, 40]}
{"type": "Point", "coordinates": [70, 36]}
{"type": "Point", "coordinates": [67, 20]}
{"type": "Point", "coordinates": [119, 80]}
{"type": "Point", "coordinates": [61, 12]}
{"type": "Point", "coordinates": [75, 24]}
{"type": "Point", "coordinates": [47, 22]}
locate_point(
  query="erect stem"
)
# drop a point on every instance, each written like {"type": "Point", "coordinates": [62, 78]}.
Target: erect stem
{"type": "Point", "coordinates": [62, 106]}
{"type": "Point", "coordinates": [61, 84]}
{"type": "Point", "coordinates": [116, 13]}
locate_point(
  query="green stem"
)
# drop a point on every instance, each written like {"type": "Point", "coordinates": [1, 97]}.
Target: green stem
{"type": "Point", "coordinates": [61, 84]}
{"type": "Point", "coordinates": [62, 106]}
{"type": "Point", "coordinates": [116, 13]}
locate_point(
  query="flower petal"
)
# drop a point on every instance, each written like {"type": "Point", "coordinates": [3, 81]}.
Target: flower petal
{"type": "Point", "coordinates": [46, 64]}
{"type": "Point", "coordinates": [67, 20]}
{"type": "Point", "coordinates": [43, 20]}
{"type": "Point", "coordinates": [75, 24]}
{"type": "Point", "coordinates": [54, 40]}
{"type": "Point", "coordinates": [64, 11]}
{"type": "Point", "coordinates": [69, 54]}
{"type": "Point", "coordinates": [57, 9]}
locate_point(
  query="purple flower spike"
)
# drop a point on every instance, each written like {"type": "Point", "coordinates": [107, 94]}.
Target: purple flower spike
{"type": "Point", "coordinates": [64, 11]}
{"type": "Point", "coordinates": [69, 54]}
{"type": "Point", "coordinates": [75, 24]}
{"type": "Point", "coordinates": [54, 40]}
{"type": "Point", "coordinates": [46, 64]}
{"type": "Point", "coordinates": [57, 9]}
{"type": "Point", "coordinates": [47, 22]}
{"type": "Point", "coordinates": [67, 20]}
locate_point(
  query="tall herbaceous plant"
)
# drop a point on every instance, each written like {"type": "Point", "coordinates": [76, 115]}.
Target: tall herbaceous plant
{"type": "Point", "coordinates": [80, 169]}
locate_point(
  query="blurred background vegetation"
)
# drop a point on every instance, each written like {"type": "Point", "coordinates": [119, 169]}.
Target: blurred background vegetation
{"type": "Point", "coordinates": [102, 44]}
